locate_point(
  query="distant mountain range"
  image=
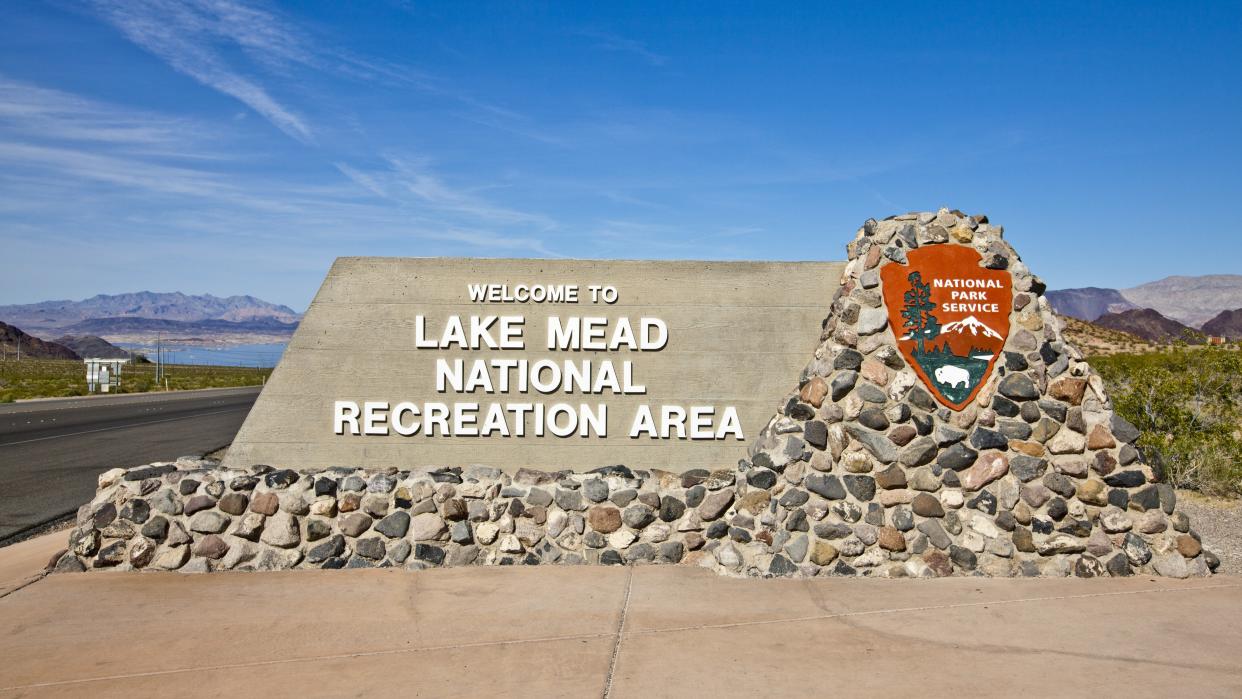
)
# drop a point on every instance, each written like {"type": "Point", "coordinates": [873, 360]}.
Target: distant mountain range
{"type": "Point", "coordinates": [1088, 303]}
{"type": "Point", "coordinates": [144, 314]}
{"type": "Point", "coordinates": [131, 325]}
{"type": "Point", "coordinates": [1192, 301]}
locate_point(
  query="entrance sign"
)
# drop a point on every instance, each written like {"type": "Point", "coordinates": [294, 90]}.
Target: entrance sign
{"type": "Point", "coordinates": [950, 316]}
{"type": "Point", "coordinates": [538, 363]}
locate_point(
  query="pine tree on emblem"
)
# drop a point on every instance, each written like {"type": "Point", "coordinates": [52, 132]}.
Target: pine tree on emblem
{"type": "Point", "coordinates": [918, 311]}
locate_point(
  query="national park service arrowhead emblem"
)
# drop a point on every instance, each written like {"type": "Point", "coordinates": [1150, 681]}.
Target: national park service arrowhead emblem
{"type": "Point", "coordinates": [950, 316]}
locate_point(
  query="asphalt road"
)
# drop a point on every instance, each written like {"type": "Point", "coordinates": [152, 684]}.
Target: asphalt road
{"type": "Point", "coordinates": [52, 451]}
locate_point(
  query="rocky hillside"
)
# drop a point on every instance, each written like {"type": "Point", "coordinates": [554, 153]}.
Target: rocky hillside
{"type": "Point", "coordinates": [12, 338]}
{"type": "Point", "coordinates": [1096, 341]}
{"type": "Point", "coordinates": [92, 346]}
{"type": "Point", "coordinates": [1148, 324]}
{"type": "Point", "coordinates": [50, 316]}
{"type": "Point", "coordinates": [1227, 324]}
{"type": "Point", "coordinates": [1191, 301]}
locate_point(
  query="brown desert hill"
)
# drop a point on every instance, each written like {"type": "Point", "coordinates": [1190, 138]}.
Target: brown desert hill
{"type": "Point", "coordinates": [1227, 324]}
{"type": "Point", "coordinates": [13, 338]}
{"type": "Point", "coordinates": [1150, 325]}
{"type": "Point", "coordinates": [92, 346]}
{"type": "Point", "coordinates": [1095, 341]}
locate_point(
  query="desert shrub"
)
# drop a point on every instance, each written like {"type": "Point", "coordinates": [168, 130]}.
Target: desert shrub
{"type": "Point", "coordinates": [48, 378]}
{"type": "Point", "coordinates": [1187, 402]}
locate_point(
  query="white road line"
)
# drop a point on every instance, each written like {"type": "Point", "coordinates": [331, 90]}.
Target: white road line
{"type": "Point", "coordinates": [119, 427]}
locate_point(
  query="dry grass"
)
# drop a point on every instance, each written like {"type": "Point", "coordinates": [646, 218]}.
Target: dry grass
{"type": "Point", "coordinates": [49, 378]}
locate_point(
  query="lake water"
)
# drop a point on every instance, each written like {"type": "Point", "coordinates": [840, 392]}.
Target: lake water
{"type": "Point", "coordinates": [258, 355]}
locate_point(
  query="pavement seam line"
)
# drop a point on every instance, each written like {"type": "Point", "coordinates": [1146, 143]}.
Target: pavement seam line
{"type": "Point", "coordinates": [119, 427]}
{"type": "Point", "coordinates": [906, 610]}
{"type": "Point", "coordinates": [575, 637]}
{"type": "Point", "coordinates": [616, 648]}
{"type": "Point", "coordinates": [26, 584]}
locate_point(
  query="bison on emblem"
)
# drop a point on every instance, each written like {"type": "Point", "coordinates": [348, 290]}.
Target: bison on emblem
{"type": "Point", "coordinates": [953, 376]}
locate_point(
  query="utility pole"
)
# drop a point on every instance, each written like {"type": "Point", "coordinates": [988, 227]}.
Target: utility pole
{"type": "Point", "coordinates": [19, 349]}
{"type": "Point", "coordinates": [158, 373]}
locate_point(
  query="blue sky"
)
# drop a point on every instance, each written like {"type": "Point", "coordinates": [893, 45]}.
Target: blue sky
{"type": "Point", "coordinates": [238, 146]}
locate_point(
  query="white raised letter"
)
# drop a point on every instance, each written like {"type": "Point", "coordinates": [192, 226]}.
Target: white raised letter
{"type": "Point", "coordinates": [643, 423]}
{"type": "Point", "coordinates": [374, 417]}
{"type": "Point", "coordinates": [344, 411]}
{"type": "Point", "coordinates": [511, 332]}
{"type": "Point", "coordinates": [701, 422]}
{"type": "Point", "coordinates": [420, 334]}
{"type": "Point", "coordinates": [560, 337]}
{"type": "Point", "coordinates": [661, 339]}
{"type": "Point", "coordinates": [446, 375]}
{"type": "Point", "coordinates": [729, 424]}
{"type": "Point", "coordinates": [672, 417]}
{"type": "Point", "coordinates": [400, 427]}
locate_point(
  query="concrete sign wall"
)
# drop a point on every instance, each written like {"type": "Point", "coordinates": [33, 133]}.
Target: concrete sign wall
{"type": "Point", "coordinates": [538, 363]}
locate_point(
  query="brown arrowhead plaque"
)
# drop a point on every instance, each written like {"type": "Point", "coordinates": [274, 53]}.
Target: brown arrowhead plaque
{"type": "Point", "coordinates": [950, 317]}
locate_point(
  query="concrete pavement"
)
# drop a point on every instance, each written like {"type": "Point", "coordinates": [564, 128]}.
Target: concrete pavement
{"type": "Point", "coordinates": [22, 563]}
{"type": "Point", "coordinates": [617, 632]}
{"type": "Point", "coordinates": [52, 451]}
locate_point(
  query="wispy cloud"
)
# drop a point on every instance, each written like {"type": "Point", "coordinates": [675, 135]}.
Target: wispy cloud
{"type": "Point", "coordinates": [659, 239]}
{"type": "Point", "coordinates": [190, 36]}
{"type": "Point", "coordinates": [364, 180]}
{"type": "Point", "coordinates": [44, 114]}
{"type": "Point", "coordinates": [130, 171]}
{"type": "Point", "coordinates": [412, 182]}
{"type": "Point", "coordinates": [86, 165]}
{"type": "Point", "coordinates": [491, 241]}
{"type": "Point", "coordinates": [612, 42]}
{"type": "Point", "coordinates": [211, 40]}
{"type": "Point", "coordinates": [131, 199]}
{"type": "Point", "coordinates": [55, 144]}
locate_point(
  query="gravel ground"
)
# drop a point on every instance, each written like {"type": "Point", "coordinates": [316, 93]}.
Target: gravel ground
{"type": "Point", "coordinates": [1218, 522]}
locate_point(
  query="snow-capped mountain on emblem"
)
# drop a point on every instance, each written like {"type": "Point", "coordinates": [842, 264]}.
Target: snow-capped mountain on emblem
{"type": "Point", "coordinates": [973, 324]}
